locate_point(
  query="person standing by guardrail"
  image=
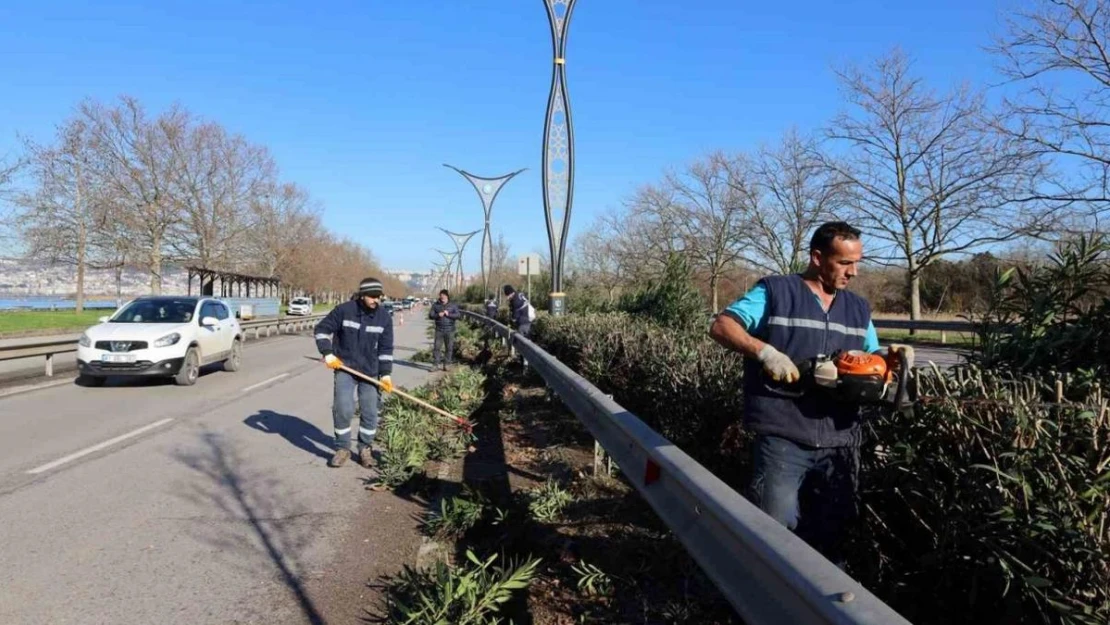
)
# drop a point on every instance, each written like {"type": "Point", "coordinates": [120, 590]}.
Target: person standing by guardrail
{"type": "Point", "coordinates": [521, 312]}
{"type": "Point", "coordinates": [491, 306]}
{"type": "Point", "coordinates": [359, 334]}
{"type": "Point", "coordinates": [445, 313]}
{"type": "Point", "coordinates": [806, 448]}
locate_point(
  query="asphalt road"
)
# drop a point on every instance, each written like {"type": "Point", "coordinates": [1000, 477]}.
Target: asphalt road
{"type": "Point", "coordinates": [143, 502]}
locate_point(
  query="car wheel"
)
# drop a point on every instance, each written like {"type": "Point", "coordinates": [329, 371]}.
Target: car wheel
{"type": "Point", "coordinates": [190, 369]}
{"type": "Point", "coordinates": [90, 380]}
{"type": "Point", "coordinates": [234, 362]}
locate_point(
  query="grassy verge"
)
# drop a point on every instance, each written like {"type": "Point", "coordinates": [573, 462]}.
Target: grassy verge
{"type": "Point", "coordinates": [14, 324]}
{"type": "Point", "coordinates": [21, 322]}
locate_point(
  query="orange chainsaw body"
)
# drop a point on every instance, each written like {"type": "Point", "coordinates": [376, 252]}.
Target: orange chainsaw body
{"type": "Point", "coordinates": [860, 363]}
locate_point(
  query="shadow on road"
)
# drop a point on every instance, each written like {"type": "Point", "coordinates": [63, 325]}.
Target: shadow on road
{"type": "Point", "coordinates": [300, 433]}
{"type": "Point", "coordinates": [247, 518]}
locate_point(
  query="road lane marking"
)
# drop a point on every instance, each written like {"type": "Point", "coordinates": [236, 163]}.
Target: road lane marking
{"type": "Point", "coordinates": [264, 382]}
{"type": "Point", "coordinates": [95, 448]}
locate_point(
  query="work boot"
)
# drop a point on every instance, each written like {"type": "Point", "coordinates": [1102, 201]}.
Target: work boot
{"type": "Point", "coordinates": [340, 458]}
{"type": "Point", "coordinates": [366, 457]}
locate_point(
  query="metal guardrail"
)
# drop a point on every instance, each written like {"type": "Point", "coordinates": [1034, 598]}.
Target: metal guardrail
{"type": "Point", "coordinates": [769, 575]}
{"type": "Point", "coordinates": [49, 348]}
{"type": "Point", "coordinates": [936, 326]}
{"type": "Point", "coordinates": [944, 327]}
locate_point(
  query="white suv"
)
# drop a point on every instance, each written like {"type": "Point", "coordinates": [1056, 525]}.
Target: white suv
{"type": "Point", "coordinates": [300, 306]}
{"type": "Point", "coordinates": [161, 336]}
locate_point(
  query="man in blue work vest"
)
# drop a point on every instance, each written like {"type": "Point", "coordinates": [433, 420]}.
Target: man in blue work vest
{"type": "Point", "coordinates": [806, 449]}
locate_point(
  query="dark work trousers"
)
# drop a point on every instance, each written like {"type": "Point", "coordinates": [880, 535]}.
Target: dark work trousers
{"type": "Point", "coordinates": [343, 410]}
{"type": "Point", "coordinates": [810, 490]}
{"type": "Point", "coordinates": [443, 340]}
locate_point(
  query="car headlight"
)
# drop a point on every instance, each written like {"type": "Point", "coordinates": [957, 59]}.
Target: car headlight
{"type": "Point", "coordinates": [84, 341]}
{"type": "Point", "coordinates": [169, 339]}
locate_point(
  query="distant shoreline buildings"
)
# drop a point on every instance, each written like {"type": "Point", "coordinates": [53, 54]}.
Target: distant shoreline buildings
{"type": "Point", "coordinates": [21, 278]}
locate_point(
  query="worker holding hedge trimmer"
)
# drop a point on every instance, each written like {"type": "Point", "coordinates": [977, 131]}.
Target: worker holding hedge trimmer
{"type": "Point", "coordinates": [812, 364]}
{"type": "Point", "coordinates": [356, 340]}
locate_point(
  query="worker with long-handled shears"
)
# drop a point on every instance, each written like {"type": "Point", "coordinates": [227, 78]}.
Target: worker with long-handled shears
{"type": "Point", "coordinates": [356, 341]}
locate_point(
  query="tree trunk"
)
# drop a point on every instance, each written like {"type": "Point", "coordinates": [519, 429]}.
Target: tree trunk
{"type": "Point", "coordinates": [156, 267]}
{"type": "Point", "coordinates": [82, 245]}
{"type": "Point", "coordinates": [915, 297]}
{"type": "Point", "coordinates": [119, 285]}
{"type": "Point", "coordinates": [713, 280]}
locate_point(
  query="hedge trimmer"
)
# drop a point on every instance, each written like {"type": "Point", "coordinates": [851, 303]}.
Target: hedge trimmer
{"type": "Point", "coordinates": [855, 376]}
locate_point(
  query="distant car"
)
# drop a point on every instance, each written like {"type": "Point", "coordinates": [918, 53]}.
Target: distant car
{"type": "Point", "coordinates": [388, 307]}
{"type": "Point", "coordinates": [300, 306]}
{"type": "Point", "coordinates": [161, 336]}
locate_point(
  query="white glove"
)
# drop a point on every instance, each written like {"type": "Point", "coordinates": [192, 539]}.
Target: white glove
{"type": "Point", "coordinates": [332, 361]}
{"type": "Point", "coordinates": [778, 365]}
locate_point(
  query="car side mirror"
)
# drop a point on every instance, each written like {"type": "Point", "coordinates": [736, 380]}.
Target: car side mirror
{"type": "Point", "coordinates": [104, 319]}
{"type": "Point", "coordinates": [209, 321]}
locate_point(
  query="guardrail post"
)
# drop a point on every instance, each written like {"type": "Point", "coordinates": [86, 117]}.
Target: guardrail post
{"type": "Point", "coordinates": [602, 459]}
{"type": "Point", "coordinates": [50, 364]}
{"type": "Point", "coordinates": [943, 337]}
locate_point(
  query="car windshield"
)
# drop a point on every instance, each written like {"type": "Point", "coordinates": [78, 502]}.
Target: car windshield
{"type": "Point", "coordinates": [156, 311]}
{"type": "Point", "coordinates": [298, 300]}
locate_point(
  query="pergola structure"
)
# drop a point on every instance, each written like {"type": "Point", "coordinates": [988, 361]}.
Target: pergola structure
{"type": "Point", "coordinates": [232, 284]}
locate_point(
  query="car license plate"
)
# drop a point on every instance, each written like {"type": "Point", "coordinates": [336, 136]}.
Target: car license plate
{"type": "Point", "coordinates": [119, 358]}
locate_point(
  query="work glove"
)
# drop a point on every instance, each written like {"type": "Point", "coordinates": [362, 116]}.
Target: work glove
{"type": "Point", "coordinates": [332, 361]}
{"type": "Point", "coordinates": [386, 384]}
{"type": "Point", "coordinates": [778, 365]}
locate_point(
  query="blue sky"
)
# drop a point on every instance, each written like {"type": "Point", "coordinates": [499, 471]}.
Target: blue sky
{"type": "Point", "coordinates": [361, 102]}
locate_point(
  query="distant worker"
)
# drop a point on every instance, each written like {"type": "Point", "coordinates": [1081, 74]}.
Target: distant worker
{"type": "Point", "coordinates": [357, 334]}
{"type": "Point", "coordinates": [521, 312]}
{"type": "Point", "coordinates": [491, 306]}
{"type": "Point", "coordinates": [445, 313]}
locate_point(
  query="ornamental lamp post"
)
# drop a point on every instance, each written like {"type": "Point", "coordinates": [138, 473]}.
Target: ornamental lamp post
{"type": "Point", "coordinates": [558, 151]}
{"type": "Point", "coordinates": [487, 189]}
{"type": "Point", "coordinates": [460, 240]}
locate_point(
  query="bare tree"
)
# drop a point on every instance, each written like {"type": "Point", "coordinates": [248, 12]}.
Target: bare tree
{"type": "Point", "coordinates": [284, 223]}
{"type": "Point", "coordinates": [708, 214]}
{"type": "Point", "coordinates": [594, 261]}
{"type": "Point", "coordinates": [642, 235]}
{"type": "Point", "coordinates": [66, 217]}
{"type": "Point", "coordinates": [504, 269]}
{"type": "Point", "coordinates": [926, 174]}
{"type": "Point", "coordinates": [791, 191]}
{"type": "Point", "coordinates": [137, 170]}
{"type": "Point", "coordinates": [1054, 43]}
{"type": "Point", "coordinates": [216, 177]}
{"type": "Point", "coordinates": [8, 227]}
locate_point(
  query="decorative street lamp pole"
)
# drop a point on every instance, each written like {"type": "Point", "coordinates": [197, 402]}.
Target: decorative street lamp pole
{"type": "Point", "coordinates": [436, 274]}
{"type": "Point", "coordinates": [487, 189]}
{"type": "Point", "coordinates": [460, 244]}
{"type": "Point", "coordinates": [448, 265]}
{"type": "Point", "coordinates": [558, 151]}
